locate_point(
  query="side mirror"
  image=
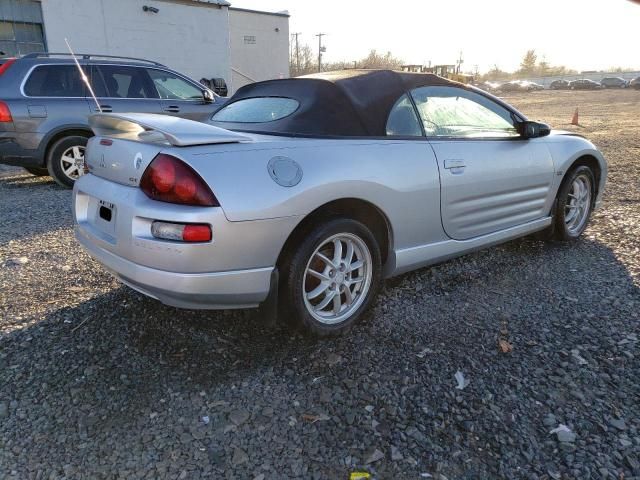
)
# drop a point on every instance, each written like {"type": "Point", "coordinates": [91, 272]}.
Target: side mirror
{"type": "Point", "coordinates": [207, 96]}
{"type": "Point", "coordinates": [530, 129]}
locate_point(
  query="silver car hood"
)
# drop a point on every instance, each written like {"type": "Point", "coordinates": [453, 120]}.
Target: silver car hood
{"type": "Point", "coordinates": [153, 128]}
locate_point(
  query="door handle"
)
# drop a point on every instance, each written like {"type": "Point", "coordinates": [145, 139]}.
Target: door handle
{"type": "Point", "coordinates": [106, 108]}
{"type": "Point", "coordinates": [172, 109]}
{"type": "Point", "coordinates": [454, 163]}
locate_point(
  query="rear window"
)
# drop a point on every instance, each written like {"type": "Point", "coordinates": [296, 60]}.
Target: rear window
{"type": "Point", "coordinates": [257, 110]}
{"type": "Point", "coordinates": [54, 81]}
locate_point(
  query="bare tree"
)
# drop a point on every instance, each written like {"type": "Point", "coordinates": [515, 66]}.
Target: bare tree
{"type": "Point", "coordinates": [528, 64]}
{"type": "Point", "coordinates": [308, 62]}
{"type": "Point", "coordinates": [375, 60]}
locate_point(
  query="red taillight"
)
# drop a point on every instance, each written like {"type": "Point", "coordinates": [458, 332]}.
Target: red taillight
{"type": "Point", "coordinates": [5, 113]}
{"type": "Point", "coordinates": [5, 66]}
{"type": "Point", "coordinates": [168, 179]}
{"type": "Point", "coordinates": [196, 233]}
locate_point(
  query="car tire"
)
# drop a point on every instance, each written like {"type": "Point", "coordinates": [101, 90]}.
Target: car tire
{"type": "Point", "coordinates": [573, 206]}
{"type": "Point", "coordinates": [309, 299]}
{"type": "Point", "coordinates": [37, 171]}
{"type": "Point", "coordinates": [65, 159]}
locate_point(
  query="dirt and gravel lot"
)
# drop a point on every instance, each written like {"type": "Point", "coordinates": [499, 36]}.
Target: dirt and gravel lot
{"type": "Point", "coordinates": [97, 381]}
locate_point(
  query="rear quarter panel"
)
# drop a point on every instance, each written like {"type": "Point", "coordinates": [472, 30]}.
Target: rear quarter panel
{"type": "Point", "coordinates": [399, 177]}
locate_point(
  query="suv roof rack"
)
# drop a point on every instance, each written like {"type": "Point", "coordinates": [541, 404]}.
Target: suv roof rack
{"type": "Point", "coordinates": [88, 56]}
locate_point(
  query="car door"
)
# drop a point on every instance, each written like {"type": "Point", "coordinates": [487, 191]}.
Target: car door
{"type": "Point", "coordinates": [54, 98]}
{"type": "Point", "coordinates": [181, 97]}
{"type": "Point", "coordinates": [491, 178]}
{"type": "Point", "coordinates": [124, 88]}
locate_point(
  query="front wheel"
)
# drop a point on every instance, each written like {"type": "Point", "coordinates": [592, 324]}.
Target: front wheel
{"type": "Point", "coordinates": [332, 277]}
{"type": "Point", "coordinates": [574, 204]}
{"type": "Point", "coordinates": [65, 161]}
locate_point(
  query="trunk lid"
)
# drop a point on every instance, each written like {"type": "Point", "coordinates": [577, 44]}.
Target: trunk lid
{"type": "Point", "coordinates": [119, 160]}
{"type": "Point", "coordinates": [125, 144]}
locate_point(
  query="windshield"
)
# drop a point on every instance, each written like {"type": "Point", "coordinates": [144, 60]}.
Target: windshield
{"type": "Point", "coordinates": [256, 110]}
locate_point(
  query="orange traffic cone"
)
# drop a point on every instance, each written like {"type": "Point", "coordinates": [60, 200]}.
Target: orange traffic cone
{"type": "Point", "coordinates": [574, 120]}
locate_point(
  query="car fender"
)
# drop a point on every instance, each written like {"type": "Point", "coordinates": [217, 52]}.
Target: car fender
{"type": "Point", "coordinates": [567, 148]}
{"type": "Point", "coordinates": [73, 129]}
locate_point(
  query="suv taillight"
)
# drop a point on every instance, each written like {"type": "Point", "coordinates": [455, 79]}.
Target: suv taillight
{"type": "Point", "coordinates": [168, 179]}
{"type": "Point", "coordinates": [6, 65]}
{"type": "Point", "coordinates": [5, 113]}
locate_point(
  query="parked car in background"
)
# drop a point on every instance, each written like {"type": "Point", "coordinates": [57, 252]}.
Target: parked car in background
{"type": "Point", "coordinates": [306, 192]}
{"type": "Point", "coordinates": [635, 83]}
{"type": "Point", "coordinates": [559, 85]}
{"type": "Point", "coordinates": [584, 84]}
{"type": "Point", "coordinates": [614, 82]}
{"type": "Point", "coordinates": [44, 105]}
{"type": "Point", "coordinates": [488, 86]}
{"type": "Point", "coordinates": [512, 86]}
{"type": "Point", "coordinates": [532, 86]}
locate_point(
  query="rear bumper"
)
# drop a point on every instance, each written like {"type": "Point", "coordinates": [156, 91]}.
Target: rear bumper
{"type": "Point", "coordinates": [12, 153]}
{"type": "Point", "coordinates": [233, 270]}
{"type": "Point", "coordinates": [217, 290]}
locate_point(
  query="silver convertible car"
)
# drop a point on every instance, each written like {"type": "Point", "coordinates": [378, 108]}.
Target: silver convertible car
{"type": "Point", "coordinates": [303, 194]}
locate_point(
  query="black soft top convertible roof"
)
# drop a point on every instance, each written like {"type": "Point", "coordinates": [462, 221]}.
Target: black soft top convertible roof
{"type": "Point", "coordinates": [340, 103]}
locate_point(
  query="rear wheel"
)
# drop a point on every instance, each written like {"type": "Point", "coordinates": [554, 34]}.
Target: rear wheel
{"type": "Point", "coordinates": [65, 161]}
{"type": "Point", "coordinates": [574, 205]}
{"type": "Point", "coordinates": [332, 277]}
{"type": "Point", "coordinates": [37, 171]}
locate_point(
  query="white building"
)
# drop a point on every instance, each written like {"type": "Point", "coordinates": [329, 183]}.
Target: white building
{"type": "Point", "coordinates": [199, 38]}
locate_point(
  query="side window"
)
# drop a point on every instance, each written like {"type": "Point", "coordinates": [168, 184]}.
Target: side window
{"type": "Point", "coordinates": [457, 113]}
{"type": "Point", "coordinates": [403, 120]}
{"type": "Point", "coordinates": [55, 81]}
{"type": "Point", "coordinates": [124, 82]}
{"type": "Point", "coordinates": [172, 87]}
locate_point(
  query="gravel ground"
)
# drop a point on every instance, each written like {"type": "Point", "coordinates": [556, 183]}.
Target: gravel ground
{"type": "Point", "coordinates": [97, 381]}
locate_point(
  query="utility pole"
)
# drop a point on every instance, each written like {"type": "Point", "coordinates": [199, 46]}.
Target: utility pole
{"type": "Point", "coordinates": [459, 62]}
{"type": "Point", "coordinates": [320, 50]}
{"type": "Point", "coordinates": [297, 53]}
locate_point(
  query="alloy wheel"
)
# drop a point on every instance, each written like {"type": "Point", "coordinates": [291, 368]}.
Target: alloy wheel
{"type": "Point", "coordinates": [578, 205]}
{"type": "Point", "coordinates": [337, 278]}
{"type": "Point", "coordinates": [72, 161]}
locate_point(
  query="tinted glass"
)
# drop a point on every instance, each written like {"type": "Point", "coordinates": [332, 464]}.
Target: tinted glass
{"type": "Point", "coordinates": [403, 120]}
{"type": "Point", "coordinates": [115, 81]}
{"type": "Point", "coordinates": [170, 86]}
{"type": "Point", "coordinates": [55, 81]}
{"type": "Point", "coordinates": [459, 113]}
{"type": "Point", "coordinates": [257, 110]}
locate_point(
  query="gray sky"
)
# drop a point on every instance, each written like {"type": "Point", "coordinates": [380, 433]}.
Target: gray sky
{"type": "Point", "coordinates": [581, 34]}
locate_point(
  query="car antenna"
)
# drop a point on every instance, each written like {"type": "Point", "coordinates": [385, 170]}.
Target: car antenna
{"type": "Point", "coordinates": [83, 76]}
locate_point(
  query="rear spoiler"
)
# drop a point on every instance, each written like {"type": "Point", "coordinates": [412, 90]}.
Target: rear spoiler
{"type": "Point", "coordinates": [152, 128]}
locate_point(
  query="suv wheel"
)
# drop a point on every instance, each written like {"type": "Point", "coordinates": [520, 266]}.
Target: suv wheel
{"type": "Point", "coordinates": [65, 161]}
